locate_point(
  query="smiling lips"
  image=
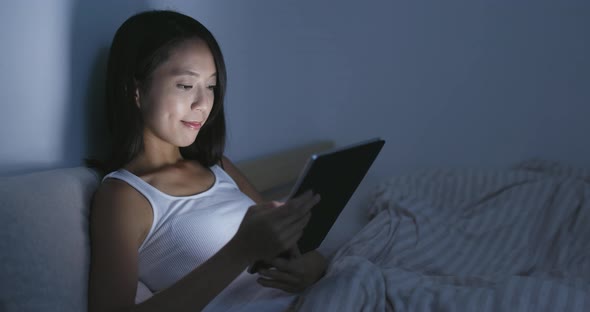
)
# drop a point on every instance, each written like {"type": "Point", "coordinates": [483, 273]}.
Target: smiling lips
{"type": "Point", "coordinates": [192, 124]}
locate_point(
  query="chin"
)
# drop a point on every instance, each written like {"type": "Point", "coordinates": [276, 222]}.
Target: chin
{"type": "Point", "coordinates": [186, 142]}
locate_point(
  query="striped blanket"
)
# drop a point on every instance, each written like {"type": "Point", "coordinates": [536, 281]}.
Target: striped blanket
{"type": "Point", "coordinates": [450, 240]}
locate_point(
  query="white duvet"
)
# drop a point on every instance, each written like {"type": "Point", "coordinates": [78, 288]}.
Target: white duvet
{"type": "Point", "coordinates": [511, 240]}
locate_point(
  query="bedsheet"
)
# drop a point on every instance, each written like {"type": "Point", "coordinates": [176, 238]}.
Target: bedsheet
{"type": "Point", "coordinates": [467, 240]}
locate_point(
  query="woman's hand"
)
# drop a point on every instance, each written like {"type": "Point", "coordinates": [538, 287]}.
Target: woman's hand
{"type": "Point", "coordinates": [270, 228]}
{"type": "Point", "coordinates": [294, 274]}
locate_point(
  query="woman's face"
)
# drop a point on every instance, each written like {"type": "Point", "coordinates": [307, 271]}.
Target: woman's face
{"type": "Point", "coordinates": [180, 95]}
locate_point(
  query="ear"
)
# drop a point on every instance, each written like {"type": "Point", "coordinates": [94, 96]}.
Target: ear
{"type": "Point", "coordinates": [136, 97]}
{"type": "Point", "coordinates": [137, 93]}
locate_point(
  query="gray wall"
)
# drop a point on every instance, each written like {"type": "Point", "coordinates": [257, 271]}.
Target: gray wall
{"type": "Point", "coordinates": [446, 83]}
{"type": "Point", "coordinates": [51, 79]}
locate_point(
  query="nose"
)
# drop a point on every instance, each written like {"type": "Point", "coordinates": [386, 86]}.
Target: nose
{"type": "Point", "coordinates": [200, 102]}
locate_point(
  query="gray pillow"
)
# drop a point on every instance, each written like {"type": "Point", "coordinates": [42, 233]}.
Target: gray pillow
{"type": "Point", "coordinates": [44, 245]}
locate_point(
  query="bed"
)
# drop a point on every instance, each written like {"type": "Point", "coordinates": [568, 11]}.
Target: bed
{"type": "Point", "coordinates": [516, 239]}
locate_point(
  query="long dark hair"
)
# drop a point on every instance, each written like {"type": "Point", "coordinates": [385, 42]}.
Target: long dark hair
{"type": "Point", "coordinates": [141, 44]}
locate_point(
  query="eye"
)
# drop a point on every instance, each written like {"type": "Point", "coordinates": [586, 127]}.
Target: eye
{"type": "Point", "coordinates": [184, 87]}
{"type": "Point", "coordinates": [212, 88]}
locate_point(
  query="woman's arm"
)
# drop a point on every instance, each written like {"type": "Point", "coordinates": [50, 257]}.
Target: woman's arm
{"type": "Point", "coordinates": [245, 186]}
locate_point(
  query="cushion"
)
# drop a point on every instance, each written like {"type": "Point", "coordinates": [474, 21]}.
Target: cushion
{"type": "Point", "coordinates": [45, 248]}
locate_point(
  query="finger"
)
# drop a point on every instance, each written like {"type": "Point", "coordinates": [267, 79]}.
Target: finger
{"type": "Point", "coordinates": [291, 253]}
{"type": "Point", "coordinates": [293, 211]}
{"type": "Point", "coordinates": [291, 267]}
{"type": "Point", "coordinates": [268, 209]}
{"type": "Point", "coordinates": [263, 208]}
{"type": "Point", "coordinates": [297, 224]}
{"type": "Point", "coordinates": [287, 220]}
{"type": "Point", "coordinates": [311, 199]}
{"type": "Point", "coordinates": [314, 201]}
{"type": "Point", "coordinates": [278, 285]}
{"type": "Point", "coordinates": [292, 232]}
{"type": "Point", "coordinates": [291, 228]}
{"type": "Point", "coordinates": [302, 196]}
{"type": "Point", "coordinates": [294, 252]}
{"type": "Point", "coordinates": [280, 276]}
{"type": "Point", "coordinates": [299, 200]}
{"type": "Point", "coordinates": [276, 204]}
{"type": "Point", "coordinates": [295, 201]}
{"type": "Point", "coordinates": [258, 266]}
{"type": "Point", "coordinates": [280, 264]}
{"type": "Point", "coordinates": [306, 206]}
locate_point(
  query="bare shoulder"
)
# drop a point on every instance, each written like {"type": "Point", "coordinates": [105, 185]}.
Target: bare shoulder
{"type": "Point", "coordinates": [229, 167]}
{"type": "Point", "coordinates": [116, 201]}
{"type": "Point", "coordinates": [226, 164]}
{"type": "Point", "coordinates": [119, 219]}
{"type": "Point", "coordinates": [241, 180]}
{"type": "Point", "coordinates": [113, 190]}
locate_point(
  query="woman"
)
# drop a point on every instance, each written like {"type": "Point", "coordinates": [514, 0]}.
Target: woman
{"type": "Point", "coordinates": [173, 212]}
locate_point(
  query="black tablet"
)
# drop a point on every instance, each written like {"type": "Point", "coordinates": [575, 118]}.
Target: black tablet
{"type": "Point", "coordinates": [335, 175]}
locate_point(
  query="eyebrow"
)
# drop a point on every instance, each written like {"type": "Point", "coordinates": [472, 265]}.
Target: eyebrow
{"type": "Point", "coordinates": [179, 72]}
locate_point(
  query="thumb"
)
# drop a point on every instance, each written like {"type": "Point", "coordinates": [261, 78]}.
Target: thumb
{"type": "Point", "coordinates": [294, 252]}
{"type": "Point", "coordinates": [275, 204]}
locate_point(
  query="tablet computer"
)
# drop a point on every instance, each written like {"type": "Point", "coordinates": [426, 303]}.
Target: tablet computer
{"type": "Point", "coordinates": [335, 175]}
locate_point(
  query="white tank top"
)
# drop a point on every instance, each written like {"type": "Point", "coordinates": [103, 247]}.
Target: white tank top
{"type": "Point", "coordinates": [188, 230]}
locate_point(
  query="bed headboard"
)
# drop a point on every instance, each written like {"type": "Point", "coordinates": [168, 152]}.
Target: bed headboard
{"type": "Point", "coordinates": [274, 175]}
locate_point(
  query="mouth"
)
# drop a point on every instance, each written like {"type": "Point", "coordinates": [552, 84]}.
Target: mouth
{"type": "Point", "coordinates": [192, 124]}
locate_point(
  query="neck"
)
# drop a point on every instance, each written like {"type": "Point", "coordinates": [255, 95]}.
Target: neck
{"type": "Point", "coordinates": [155, 154]}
